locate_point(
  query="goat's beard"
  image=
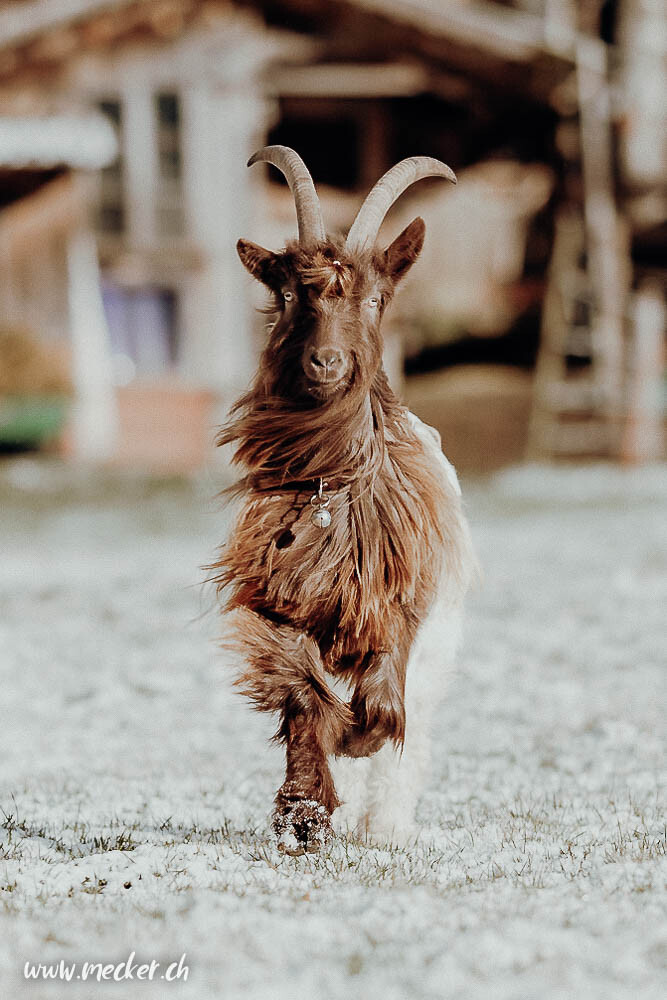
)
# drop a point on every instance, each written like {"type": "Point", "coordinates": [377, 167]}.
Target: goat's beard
{"type": "Point", "coordinates": [282, 438]}
{"type": "Point", "coordinates": [325, 392]}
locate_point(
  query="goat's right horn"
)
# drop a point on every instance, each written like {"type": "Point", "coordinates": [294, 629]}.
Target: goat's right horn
{"type": "Point", "coordinates": [388, 189]}
{"type": "Point", "coordinates": [308, 211]}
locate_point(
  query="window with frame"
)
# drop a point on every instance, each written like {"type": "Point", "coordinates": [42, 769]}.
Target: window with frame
{"type": "Point", "coordinates": [111, 207]}
{"type": "Point", "coordinates": [169, 190]}
{"type": "Point", "coordinates": [143, 328]}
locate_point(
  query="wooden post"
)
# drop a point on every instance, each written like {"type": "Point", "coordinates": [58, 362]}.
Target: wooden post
{"type": "Point", "coordinates": [94, 418]}
{"type": "Point", "coordinates": [642, 42]}
{"type": "Point", "coordinates": [607, 249]}
{"type": "Point", "coordinates": [643, 438]}
{"type": "Point", "coordinates": [140, 161]}
{"type": "Point", "coordinates": [221, 128]}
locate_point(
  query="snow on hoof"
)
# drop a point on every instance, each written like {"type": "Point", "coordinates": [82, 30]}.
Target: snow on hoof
{"type": "Point", "coordinates": [348, 822]}
{"type": "Point", "coordinates": [391, 831]}
{"type": "Point", "coordinates": [302, 826]}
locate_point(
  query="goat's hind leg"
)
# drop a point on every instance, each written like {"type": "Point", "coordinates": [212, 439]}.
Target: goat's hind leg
{"type": "Point", "coordinates": [396, 779]}
{"type": "Point", "coordinates": [377, 704]}
{"type": "Point", "coordinates": [378, 727]}
{"type": "Point", "coordinates": [284, 674]}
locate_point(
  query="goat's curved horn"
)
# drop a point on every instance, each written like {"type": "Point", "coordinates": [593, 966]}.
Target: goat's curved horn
{"type": "Point", "coordinates": [308, 211]}
{"type": "Point", "coordinates": [391, 186]}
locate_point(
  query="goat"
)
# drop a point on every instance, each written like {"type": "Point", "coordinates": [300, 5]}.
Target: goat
{"type": "Point", "coordinates": [350, 556]}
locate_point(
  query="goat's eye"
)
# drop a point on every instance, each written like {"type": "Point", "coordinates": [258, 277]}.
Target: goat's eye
{"type": "Point", "coordinates": [374, 301]}
{"type": "Point", "coordinates": [288, 296]}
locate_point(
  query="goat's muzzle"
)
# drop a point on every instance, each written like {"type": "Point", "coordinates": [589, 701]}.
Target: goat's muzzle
{"type": "Point", "coordinates": [325, 369]}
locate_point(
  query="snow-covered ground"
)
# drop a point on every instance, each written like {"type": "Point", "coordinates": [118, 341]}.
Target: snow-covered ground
{"type": "Point", "coordinates": [135, 788]}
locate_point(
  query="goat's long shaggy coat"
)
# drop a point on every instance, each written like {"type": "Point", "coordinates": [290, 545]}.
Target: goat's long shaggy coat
{"type": "Point", "coordinates": [352, 601]}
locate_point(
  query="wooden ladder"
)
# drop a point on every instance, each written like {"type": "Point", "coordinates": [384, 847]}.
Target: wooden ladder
{"type": "Point", "coordinates": [577, 388]}
{"type": "Point", "coordinates": [578, 408]}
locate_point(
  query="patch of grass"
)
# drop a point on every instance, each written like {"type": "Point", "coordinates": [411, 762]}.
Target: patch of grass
{"type": "Point", "coordinates": [636, 845]}
{"type": "Point", "coordinates": [93, 887]}
{"type": "Point", "coordinates": [122, 841]}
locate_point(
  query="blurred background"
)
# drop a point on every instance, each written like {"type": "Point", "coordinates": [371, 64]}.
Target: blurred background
{"type": "Point", "coordinates": [533, 326]}
{"type": "Point", "coordinates": [134, 788]}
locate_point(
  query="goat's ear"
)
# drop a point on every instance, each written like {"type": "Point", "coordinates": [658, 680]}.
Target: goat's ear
{"type": "Point", "coordinates": [258, 261]}
{"type": "Point", "coordinates": [403, 252]}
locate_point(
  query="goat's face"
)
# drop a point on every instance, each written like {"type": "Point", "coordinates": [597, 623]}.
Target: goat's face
{"type": "Point", "coordinates": [329, 307]}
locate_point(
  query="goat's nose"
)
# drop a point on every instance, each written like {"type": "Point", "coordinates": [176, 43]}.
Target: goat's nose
{"type": "Point", "coordinates": [327, 358]}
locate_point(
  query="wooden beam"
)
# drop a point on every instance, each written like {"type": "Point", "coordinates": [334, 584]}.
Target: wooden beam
{"type": "Point", "coordinates": [397, 79]}
{"type": "Point", "coordinates": [58, 204]}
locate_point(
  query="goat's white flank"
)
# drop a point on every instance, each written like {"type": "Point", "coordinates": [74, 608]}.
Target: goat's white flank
{"type": "Point", "coordinates": [379, 793]}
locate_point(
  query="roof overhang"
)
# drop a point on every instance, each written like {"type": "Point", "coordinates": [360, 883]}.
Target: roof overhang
{"type": "Point", "coordinates": [85, 142]}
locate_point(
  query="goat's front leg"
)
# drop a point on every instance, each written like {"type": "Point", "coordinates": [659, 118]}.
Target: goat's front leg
{"type": "Point", "coordinates": [305, 801]}
{"type": "Point", "coordinates": [285, 675]}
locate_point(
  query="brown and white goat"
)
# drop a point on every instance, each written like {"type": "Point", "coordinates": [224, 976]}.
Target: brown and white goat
{"type": "Point", "coordinates": [350, 555]}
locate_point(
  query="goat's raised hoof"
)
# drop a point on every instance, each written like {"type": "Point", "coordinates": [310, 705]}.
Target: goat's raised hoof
{"type": "Point", "coordinates": [301, 825]}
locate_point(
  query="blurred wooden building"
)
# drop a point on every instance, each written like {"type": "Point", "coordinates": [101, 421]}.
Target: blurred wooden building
{"type": "Point", "coordinates": [49, 279]}
{"type": "Point", "coordinates": [192, 87]}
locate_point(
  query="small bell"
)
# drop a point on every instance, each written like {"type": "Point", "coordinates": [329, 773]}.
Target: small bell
{"type": "Point", "coordinates": [320, 501]}
{"type": "Point", "coordinates": [321, 517]}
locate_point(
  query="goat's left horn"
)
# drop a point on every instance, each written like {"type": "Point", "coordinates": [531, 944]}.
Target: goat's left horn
{"type": "Point", "coordinates": [388, 189]}
{"type": "Point", "coordinates": [308, 211]}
